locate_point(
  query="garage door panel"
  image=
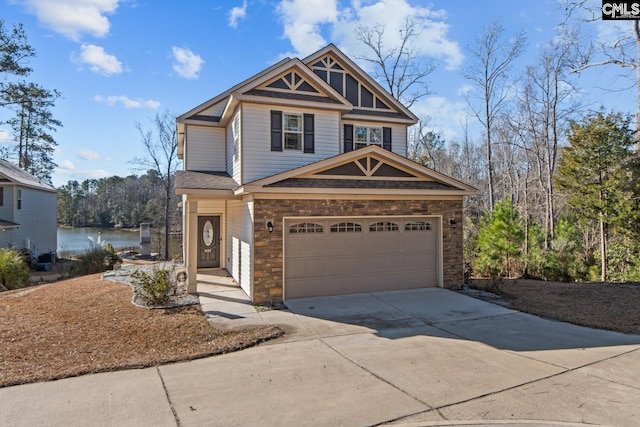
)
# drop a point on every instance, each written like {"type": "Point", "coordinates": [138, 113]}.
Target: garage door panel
{"type": "Point", "coordinates": [377, 258]}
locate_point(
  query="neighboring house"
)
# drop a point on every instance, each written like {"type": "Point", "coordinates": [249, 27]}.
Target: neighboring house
{"type": "Point", "coordinates": [296, 182]}
{"type": "Point", "coordinates": [28, 211]}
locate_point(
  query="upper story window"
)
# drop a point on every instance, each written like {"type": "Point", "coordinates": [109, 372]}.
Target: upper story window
{"type": "Point", "coordinates": [235, 128]}
{"type": "Point", "coordinates": [292, 131]}
{"type": "Point", "coordinates": [1, 196]}
{"type": "Point", "coordinates": [19, 199]}
{"type": "Point", "coordinates": [364, 136]}
{"type": "Point", "coordinates": [292, 125]}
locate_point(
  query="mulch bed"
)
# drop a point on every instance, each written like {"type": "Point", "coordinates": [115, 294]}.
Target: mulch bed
{"type": "Point", "coordinates": [87, 325]}
{"type": "Point", "coordinates": [610, 306]}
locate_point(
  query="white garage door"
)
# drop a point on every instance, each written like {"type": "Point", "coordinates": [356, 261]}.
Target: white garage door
{"type": "Point", "coordinates": [340, 255]}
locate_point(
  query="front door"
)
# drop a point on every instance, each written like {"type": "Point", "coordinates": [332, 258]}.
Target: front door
{"type": "Point", "coordinates": [208, 241]}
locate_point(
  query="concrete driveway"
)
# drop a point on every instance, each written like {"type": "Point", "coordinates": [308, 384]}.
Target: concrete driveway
{"type": "Point", "coordinates": [421, 357]}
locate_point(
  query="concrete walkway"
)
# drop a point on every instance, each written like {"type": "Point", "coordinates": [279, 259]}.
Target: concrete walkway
{"type": "Point", "coordinates": [420, 358]}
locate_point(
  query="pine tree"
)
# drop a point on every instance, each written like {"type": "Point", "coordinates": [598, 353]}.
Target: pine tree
{"type": "Point", "coordinates": [593, 171]}
{"type": "Point", "coordinates": [500, 241]}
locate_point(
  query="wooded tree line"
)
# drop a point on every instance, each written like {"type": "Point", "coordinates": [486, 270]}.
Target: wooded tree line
{"type": "Point", "coordinates": [558, 191]}
{"type": "Point", "coordinates": [121, 202]}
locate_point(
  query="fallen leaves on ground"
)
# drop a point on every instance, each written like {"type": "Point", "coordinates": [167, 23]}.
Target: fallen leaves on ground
{"type": "Point", "coordinates": [87, 325]}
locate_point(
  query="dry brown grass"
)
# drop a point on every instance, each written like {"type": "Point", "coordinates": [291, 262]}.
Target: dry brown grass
{"type": "Point", "coordinates": [86, 324]}
{"type": "Point", "coordinates": [613, 307]}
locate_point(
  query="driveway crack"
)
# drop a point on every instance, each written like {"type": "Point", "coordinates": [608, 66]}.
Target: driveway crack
{"type": "Point", "coordinates": [166, 393]}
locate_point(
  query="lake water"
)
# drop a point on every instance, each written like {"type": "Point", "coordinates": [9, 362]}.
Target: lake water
{"type": "Point", "coordinates": [77, 240]}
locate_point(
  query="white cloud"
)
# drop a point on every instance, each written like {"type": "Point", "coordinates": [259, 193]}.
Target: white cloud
{"type": "Point", "coordinates": [72, 18]}
{"type": "Point", "coordinates": [127, 102]}
{"type": "Point", "coordinates": [308, 22]}
{"type": "Point", "coordinates": [86, 154]}
{"type": "Point", "coordinates": [98, 60]}
{"type": "Point", "coordinates": [186, 63]}
{"type": "Point", "coordinates": [67, 171]}
{"type": "Point", "coordinates": [5, 137]}
{"type": "Point", "coordinates": [302, 21]}
{"type": "Point", "coordinates": [445, 117]}
{"type": "Point", "coordinates": [237, 13]}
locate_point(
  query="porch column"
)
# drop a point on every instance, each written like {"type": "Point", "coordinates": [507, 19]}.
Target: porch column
{"type": "Point", "coordinates": [191, 245]}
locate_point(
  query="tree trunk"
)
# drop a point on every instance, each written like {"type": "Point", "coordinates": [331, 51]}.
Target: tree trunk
{"type": "Point", "coordinates": [603, 250]}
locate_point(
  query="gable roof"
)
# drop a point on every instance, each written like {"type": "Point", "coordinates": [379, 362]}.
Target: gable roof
{"type": "Point", "coordinates": [370, 170]}
{"type": "Point", "coordinates": [361, 74]}
{"type": "Point", "coordinates": [269, 86]}
{"type": "Point", "coordinates": [10, 173]}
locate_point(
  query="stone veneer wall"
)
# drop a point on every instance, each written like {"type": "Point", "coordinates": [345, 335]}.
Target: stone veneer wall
{"type": "Point", "coordinates": [268, 266]}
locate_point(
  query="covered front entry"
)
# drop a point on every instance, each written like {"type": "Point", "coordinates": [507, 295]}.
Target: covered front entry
{"type": "Point", "coordinates": [345, 255]}
{"type": "Point", "coordinates": [208, 241]}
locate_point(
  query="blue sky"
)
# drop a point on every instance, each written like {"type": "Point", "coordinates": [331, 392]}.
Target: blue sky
{"type": "Point", "coordinates": [120, 62]}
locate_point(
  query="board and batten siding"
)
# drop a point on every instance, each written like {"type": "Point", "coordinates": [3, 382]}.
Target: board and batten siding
{"type": "Point", "coordinates": [37, 217]}
{"type": "Point", "coordinates": [234, 146]}
{"type": "Point", "coordinates": [258, 159]}
{"type": "Point", "coordinates": [205, 149]}
{"type": "Point", "coordinates": [239, 255]}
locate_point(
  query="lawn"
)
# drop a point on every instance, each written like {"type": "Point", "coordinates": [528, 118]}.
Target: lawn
{"type": "Point", "coordinates": [86, 325]}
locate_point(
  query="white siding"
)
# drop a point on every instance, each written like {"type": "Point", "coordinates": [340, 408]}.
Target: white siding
{"type": "Point", "coordinates": [205, 149]}
{"type": "Point", "coordinates": [234, 146]}
{"type": "Point", "coordinates": [258, 159]}
{"type": "Point", "coordinates": [239, 242]}
{"type": "Point", "coordinates": [37, 218]}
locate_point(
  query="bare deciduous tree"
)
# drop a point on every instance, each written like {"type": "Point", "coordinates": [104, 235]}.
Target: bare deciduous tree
{"type": "Point", "coordinates": [621, 49]}
{"type": "Point", "coordinates": [401, 68]}
{"type": "Point", "coordinates": [161, 149]}
{"type": "Point", "coordinates": [491, 58]}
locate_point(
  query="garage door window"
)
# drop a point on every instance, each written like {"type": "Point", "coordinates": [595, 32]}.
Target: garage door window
{"type": "Point", "coordinates": [383, 226]}
{"type": "Point", "coordinates": [305, 227]}
{"type": "Point", "coordinates": [346, 227]}
{"type": "Point", "coordinates": [417, 226]}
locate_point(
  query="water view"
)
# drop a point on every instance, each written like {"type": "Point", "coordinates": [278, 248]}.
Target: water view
{"type": "Point", "coordinates": [77, 240]}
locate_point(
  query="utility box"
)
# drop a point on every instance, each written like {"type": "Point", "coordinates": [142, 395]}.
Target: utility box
{"type": "Point", "coordinates": [145, 240]}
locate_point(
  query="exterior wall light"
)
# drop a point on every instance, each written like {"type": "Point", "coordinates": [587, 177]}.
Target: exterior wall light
{"type": "Point", "coordinates": [270, 226]}
{"type": "Point", "coordinates": [452, 223]}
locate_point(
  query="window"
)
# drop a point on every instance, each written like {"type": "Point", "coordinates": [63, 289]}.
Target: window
{"type": "Point", "coordinates": [417, 226]}
{"type": "Point", "coordinates": [305, 227]}
{"type": "Point", "coordinates": [292, 124]}
{"type": "Point", "coordinates": [346, 227]}
{"type": "Point", "coordinates": [383, 226]}
{"type": "Point", "coordinates": [1, 196]}
{"type": "Point", "coordinates": [367, 136]}
{"type": "Point", "coordinates": [235, 130]}
{"type": "Point", "coordinates": [19, 199]}
{"type": "Point", "coordinates": [292, 132]}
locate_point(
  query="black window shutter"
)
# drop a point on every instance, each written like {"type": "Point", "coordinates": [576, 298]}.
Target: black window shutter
{"type": "Point", "coordinates": [309, 134]}
{"type": "Point", "coordinates": [386, 138]}
{"type": "Point", "coordinates": [276, 130]}
{"type": "Point", "coordinates": [348, 138]}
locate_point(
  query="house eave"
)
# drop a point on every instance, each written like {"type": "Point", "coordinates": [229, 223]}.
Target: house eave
{"type": "Point", "coordinates": [293, 102]}
{"type": "Point", "coordinates": [208, 193]}
{"type": "Point", "coordinates": [386, 193]}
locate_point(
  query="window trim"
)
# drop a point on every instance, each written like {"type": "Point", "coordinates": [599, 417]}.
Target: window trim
{"type": "Point", "coordinates": [286, 131]}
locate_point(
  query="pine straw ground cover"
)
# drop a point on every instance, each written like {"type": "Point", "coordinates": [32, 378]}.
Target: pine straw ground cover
{"type": "Point", "coordinates": [611, 306]}
{"type": "Point", "coordinates": [86, 325]}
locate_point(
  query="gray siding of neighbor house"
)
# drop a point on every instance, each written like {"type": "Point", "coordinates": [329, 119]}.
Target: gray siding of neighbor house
{"type": "Point", "coordinates": [37, 218]}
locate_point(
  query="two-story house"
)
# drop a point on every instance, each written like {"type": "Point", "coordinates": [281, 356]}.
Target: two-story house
{"type": "Point", "coordinates": [28, 211]}
{"type": "Point", "coordinates": [296, 181]}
